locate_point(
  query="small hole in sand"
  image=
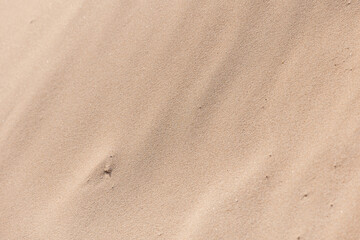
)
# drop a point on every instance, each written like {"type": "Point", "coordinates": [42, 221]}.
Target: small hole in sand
{"type": "Point", "coordinates": [107, 171]}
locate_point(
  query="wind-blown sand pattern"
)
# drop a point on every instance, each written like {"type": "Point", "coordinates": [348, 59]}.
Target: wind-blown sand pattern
{"type": "Point", "coordinates": [179, 120]}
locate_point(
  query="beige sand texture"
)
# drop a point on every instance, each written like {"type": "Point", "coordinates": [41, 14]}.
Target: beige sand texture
{"type": "Point", "coordinates": [179, 119]}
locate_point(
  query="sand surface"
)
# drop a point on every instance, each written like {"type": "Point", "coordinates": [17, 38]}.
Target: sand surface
{"type": "Point", "coordinates": [179, 120]}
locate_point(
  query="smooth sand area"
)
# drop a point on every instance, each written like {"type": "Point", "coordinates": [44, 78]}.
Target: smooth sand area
{"type": "Point", "coordinates": [179, 120]}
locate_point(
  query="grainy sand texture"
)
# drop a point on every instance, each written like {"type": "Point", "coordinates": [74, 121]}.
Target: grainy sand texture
{"type": "Point", "coordinates": [179, 119]}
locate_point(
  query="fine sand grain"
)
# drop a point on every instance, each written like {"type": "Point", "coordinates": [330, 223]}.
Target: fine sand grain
{"type": "Point", "coordinates": [179, 119]}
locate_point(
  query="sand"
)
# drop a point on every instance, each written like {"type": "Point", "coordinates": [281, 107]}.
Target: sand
{"type": "Point", "coordinates": [180, 119]}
